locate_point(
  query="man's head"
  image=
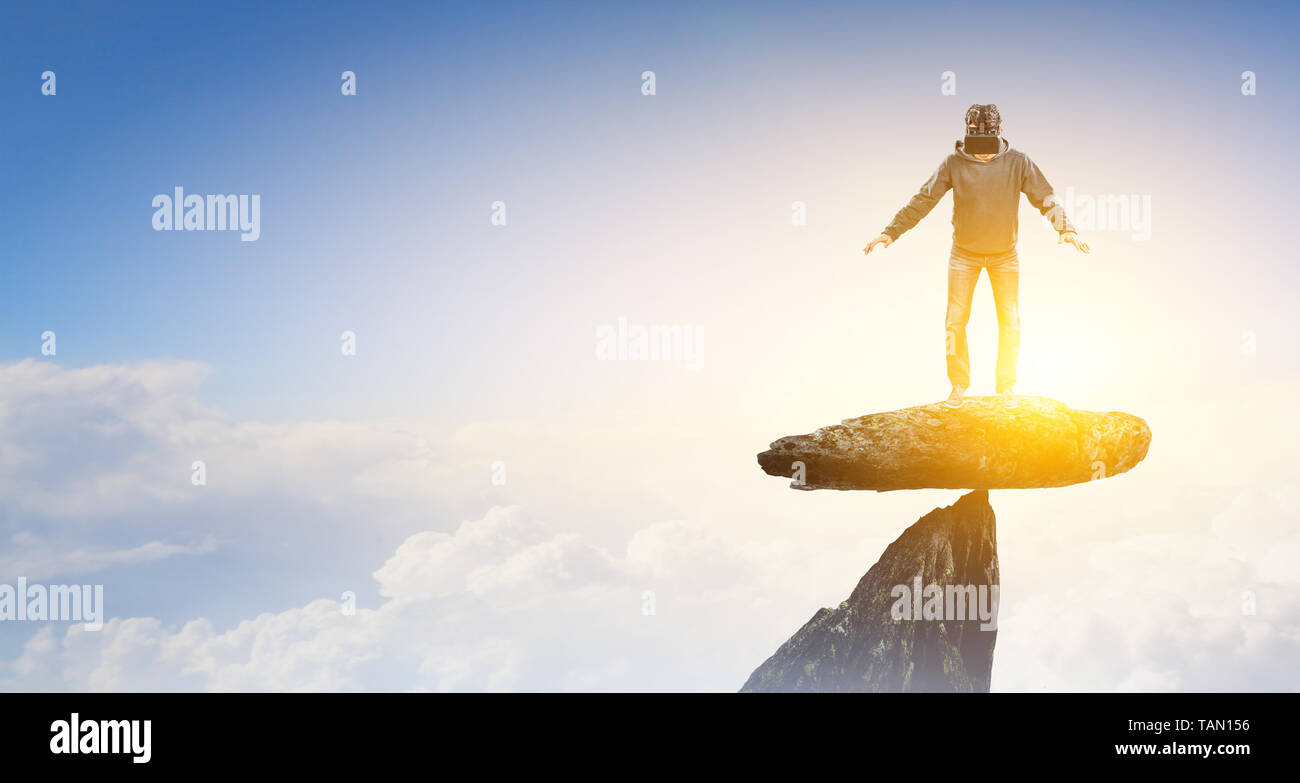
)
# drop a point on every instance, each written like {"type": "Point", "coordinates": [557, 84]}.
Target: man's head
{"type": "Point", "coordinates": [983, 130]}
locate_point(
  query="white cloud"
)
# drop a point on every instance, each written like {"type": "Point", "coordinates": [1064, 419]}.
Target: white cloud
{"type": "Point", "coordinates": [1126, 584]}
{"type": "Point", "coordinates": [39, 559]}
{"type": "Point", "coordinates": [112, 448]}
{"type": "Point", "coordinates": [1157, 612]}
{"type": "Point", "coordinates": [503, 603]}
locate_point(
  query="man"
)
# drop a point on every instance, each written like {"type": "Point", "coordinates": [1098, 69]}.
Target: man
{"type": "Point", "coordinates": [986, 177]}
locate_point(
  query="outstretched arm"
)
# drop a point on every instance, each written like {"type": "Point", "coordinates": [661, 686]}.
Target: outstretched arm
{"type": "Point", "coordinates": [1040, 193]}
{"type": "Point", "coordinates": [939, 183]}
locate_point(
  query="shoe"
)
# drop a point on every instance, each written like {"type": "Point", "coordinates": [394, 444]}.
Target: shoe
{"type": "Point", "coordinates": [1009, 400]}
{"type": "Point", "coordinates": [954, 399]}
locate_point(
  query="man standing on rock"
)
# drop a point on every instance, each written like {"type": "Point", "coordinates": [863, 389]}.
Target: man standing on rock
{"type": "Point", "coordinates": [986, 177]}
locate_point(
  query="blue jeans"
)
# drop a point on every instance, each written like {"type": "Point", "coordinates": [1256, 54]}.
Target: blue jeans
{"type": "Point", "coordinates": [1004, 275]}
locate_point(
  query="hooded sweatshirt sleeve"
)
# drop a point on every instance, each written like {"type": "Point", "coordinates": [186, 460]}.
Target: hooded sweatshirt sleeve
{"type": "Point", "coordinates": [1039, 191]}
{"type": "Point", "coordinates": [940, 182]}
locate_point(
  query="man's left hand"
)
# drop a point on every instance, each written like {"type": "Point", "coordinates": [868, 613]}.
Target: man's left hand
{"type": "Point", "coordinates": [1073, 238]}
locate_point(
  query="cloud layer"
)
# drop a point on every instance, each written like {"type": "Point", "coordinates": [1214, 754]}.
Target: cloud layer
{"type": "Point", "coordinates": [567, 591]}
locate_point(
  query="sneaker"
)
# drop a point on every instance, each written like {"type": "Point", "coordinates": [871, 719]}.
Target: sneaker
{"type": "Point", "coordinates": [1009, 400]}
{"type": "Point", "coordinates": [954, 399]}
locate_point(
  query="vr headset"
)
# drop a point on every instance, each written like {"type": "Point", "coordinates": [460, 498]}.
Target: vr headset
{"type": "Point", "coordinates": [983, 124]}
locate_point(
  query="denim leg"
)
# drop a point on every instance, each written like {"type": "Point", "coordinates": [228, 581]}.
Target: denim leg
{"type": "Point", "coordinates": [1005, 278]}
{"type": "Point", "coordinates": [962, 277]}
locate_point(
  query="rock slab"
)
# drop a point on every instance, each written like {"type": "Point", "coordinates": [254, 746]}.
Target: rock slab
{"type": "Point", "coordinates": [860, 647]}
{"type": "Point", "coordinates": [981, 445]}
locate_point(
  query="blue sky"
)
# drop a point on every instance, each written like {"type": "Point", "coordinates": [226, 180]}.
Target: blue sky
{"type": "Point", "coordinates": [375, 206]}
{"type": "Point", "coordinates": [475, 342]}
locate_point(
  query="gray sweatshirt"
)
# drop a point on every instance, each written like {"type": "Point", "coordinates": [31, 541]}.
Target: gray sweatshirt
{"type": "Point", "coordinates": [985, 200]}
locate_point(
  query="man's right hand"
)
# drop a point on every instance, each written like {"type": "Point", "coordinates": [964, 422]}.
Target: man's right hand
{"type": "Point", "coordinates": [883, 239]}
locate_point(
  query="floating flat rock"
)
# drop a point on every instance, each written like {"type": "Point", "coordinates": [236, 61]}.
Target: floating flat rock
{"type": "Point", "coordinates": [981, 445]}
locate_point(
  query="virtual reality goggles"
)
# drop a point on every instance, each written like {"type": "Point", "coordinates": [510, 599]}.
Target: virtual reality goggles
{"type": "Point", "coordinates": [983, 124]}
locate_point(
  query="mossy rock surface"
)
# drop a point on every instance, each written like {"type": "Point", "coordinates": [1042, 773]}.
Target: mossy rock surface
{"type": "Point", "coordinates": [981, 445]}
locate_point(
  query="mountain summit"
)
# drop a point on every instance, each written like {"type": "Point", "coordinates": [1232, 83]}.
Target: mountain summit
{"type": "Point", "coordinates": [862, 646]}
